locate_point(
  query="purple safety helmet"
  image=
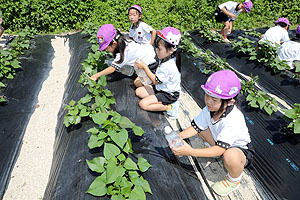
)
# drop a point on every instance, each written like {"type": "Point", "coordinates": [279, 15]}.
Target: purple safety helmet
{"type": "Point", "coordinates": [298, 30]}
{"type": "Point", "coordinates": [284, 20]}
{"type": "Point", "coordinates": [222, 84]}
{"type": "Point", "coordinates": [248, 5]}
{"type": "Point", "coordinates": [105, 35]}
{"type": "Point", "coordinates": [137, 7]}
{"type": "Point", "coordinates": [170, 35]}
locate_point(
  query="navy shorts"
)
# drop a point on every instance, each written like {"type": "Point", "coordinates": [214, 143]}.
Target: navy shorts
{"type": "Point", "coordinates": [249, 153]}
{"type": "Point", "coordinates": [165, 97]}
{"type": "Point", "coordinates": [220, 16]}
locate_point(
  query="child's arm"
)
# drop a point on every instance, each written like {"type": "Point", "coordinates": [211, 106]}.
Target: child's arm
{"type": "Point", "coordinates": [106, 71]}
{"type": "Point", "coordinates": [153, 32]}
{"type": "Point", "coordinates": [187, 150]}
{"type": "Point", "coordinates": [187, 133]}
{"type": "Point", "coordinates": [231, 15]}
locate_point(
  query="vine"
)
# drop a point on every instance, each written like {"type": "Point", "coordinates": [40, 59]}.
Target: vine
{"type": "Point", "coordinates": [119, 176]}
{"type": "Point", "coordinates": [9, 62]}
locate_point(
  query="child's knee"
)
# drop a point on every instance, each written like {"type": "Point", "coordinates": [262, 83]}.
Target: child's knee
{"type": "Point", "coordinates": [143, 105]}
{"type": "Point", "coordinates": [138, 91]}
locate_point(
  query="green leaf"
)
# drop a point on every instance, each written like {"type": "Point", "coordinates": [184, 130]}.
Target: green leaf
{"type": "Point", "coordinates": [297, 126]}
{"type": "Point", "coordinates": [99, 118]}
{"type": "Point", "coordinates": [102, 81]}
{"type": "Point", "coordinates": [73, 111]}
{"type": "Point", "coordinates": [128, 147]}
{"type": "Point", "coordinates": [292, 113]}
{"type": "Point", "coordinates": [130, 164]}
{"type": "Point", "coordinates": [100, 101]}
{"type": "Point", "coordinates": [117, 197]}
{"type": "Point", "coordinates": [138, 130]}
{"type": "Point", "coordinates": [113, 172]}
{"type": "Point", "coordinates": [121, 157]}
{"type": "Point", "coordinates": [261, 101]}
{"type": "Point", "coordinates": [268, 110]}
{"type": "Point", "coordinates": [126, 187]}
{"type": "Point", "coordinates": [15, 64]}
{"type": "Point", "coordinates": [94, 142]}
{"type": "Point", "coordinates": [93, 130]}
{"type": "Point", "coordinates": [87, 98]}
{"type": "Point", "coordinates": [120, 138]}
{"type": "Point", "coordinates": [83, 113]}
{"type": "Point", "coordinates": [137, 193]}
{"type": "Point", "coordinates": [126, 123]}
{"type": "Point", "coordinates": [2, 84]}
{"type": "Point", "coordinates": [97, 164]}
{"type": "Point", "coordinates": [72, 103]}
{"type": "Point", "coordinates": [110, 150]}
{"type": "Point", "coordinates": [143, 164]}
{"type": "Point", "coordinates": [140, 181]}
{"type": "Point", "coordinates": [98, 187]}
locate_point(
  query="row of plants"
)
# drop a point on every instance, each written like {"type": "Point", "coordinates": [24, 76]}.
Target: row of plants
{"type": "Point", "coordinates": [267, 54]}
{"type": "Point", "coordinates": [9, 62]}
{"type": "Point", "coordinates": [60, 15]}
{"type": "Point", "coordinates": [119, 175]}
{"type": "Point", "coordinates": [255, 98]}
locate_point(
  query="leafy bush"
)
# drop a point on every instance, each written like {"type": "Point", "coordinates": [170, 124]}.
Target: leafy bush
{"type": "Point", "coordinates": [294, 115]}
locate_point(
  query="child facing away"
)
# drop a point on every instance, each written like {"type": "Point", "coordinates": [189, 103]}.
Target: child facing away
{"type": "Point", "coordinates": [277, 34]}
{"type": "Point", "coordinates": [124, 50]}
{"type": "Point", "coordinates": [290, 51]}
{"type": "Point", "coordinates": [222, 127]}
{"type": "Point", "coordinates": [227, 12]}
{"type": "Point", "coordinates": [164, 93]}
{"type": "Point", "coordinates": [140, 31]}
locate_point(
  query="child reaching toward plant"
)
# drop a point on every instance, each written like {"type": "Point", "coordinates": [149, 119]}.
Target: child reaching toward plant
{"type": "Point", "coordinates": [124, 50]}
{"type": "Point", "coordinates": [227, 12]}
{"type": "Point", "coordinates": [277, 34]}
{"type": "Point", "coordinates": [164, 93]}
{"type": "Point", "coordinates": [222, 127]}
{"type": "Point", "coordinates": [140, 31]}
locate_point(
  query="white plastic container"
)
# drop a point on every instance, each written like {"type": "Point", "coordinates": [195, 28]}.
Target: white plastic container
{"type": "Point", "coordinates": [172, 137]}
{"type": "Point", "coordinates": [144, 78]}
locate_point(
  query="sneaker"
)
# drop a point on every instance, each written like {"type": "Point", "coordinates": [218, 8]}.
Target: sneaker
{"type": "Point", "coordinates": [226, 40]}
{"type": "Point", "coordinates": [173, 113]}
{"type": "Point", "coordinates": [223, 188]}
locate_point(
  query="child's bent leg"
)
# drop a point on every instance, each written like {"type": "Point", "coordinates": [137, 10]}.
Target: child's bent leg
{"type": "Point", "coordinates": [234, 161]}
{"type": "Point", "coordinates": [225, 29]}
{"type": "Point", "coordinates": [144, 91]}
{"type": "Point", "coordinates": [150, 103]}
{"type": "Point", "coordinates": [207, 137]}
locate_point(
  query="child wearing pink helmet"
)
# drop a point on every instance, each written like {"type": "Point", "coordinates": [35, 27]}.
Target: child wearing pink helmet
{"type": "Point", "coordinates": [124, 50]}
{"type": "Point", "coordinates": [227, 12]}
{"type": "Point", "coordinates": [140, 31]}
{"type": "Point", "coordinates": [277, 34]}
{"type": "Point", "coordinates": [222, 127]}
{"type": "Point", "coordinates": [164, 93]}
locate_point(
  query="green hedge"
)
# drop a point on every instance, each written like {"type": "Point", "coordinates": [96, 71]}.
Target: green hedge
{"type": "Point", "coordinates": [61, 15]}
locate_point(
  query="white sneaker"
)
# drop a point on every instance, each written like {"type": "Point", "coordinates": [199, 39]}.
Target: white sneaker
{"type": "Point", "coordinates": [226, 40]}
{"type": "Point", "coordinates": [173, 113]}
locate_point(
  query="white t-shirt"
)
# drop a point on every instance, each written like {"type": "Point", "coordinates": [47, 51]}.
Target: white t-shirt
{"type": "Point", "coordinates": [276, 34]}
{"type": "Point", "coordinates": [230, 7]}
{"type": "Point", "coordinates": [133, 51]}
{"type": "Point", "coordinates": [141, 34]}
{"type": "Point", "coordinates": [228, 131]}
{"type": "Point", "coordinates": [289, 51]}
{"type": "Point", "coordinates": [168, 77]}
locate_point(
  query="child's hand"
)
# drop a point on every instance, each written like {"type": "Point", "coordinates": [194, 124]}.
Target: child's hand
{"type": "Point", "coordinates": [232, 16]}
{"type": "Point", "coordinates": [184, 150]}
{"type": "Point", "coordinates": [140, 64]}
{"type": "Point", "coordinates": [94, 77]}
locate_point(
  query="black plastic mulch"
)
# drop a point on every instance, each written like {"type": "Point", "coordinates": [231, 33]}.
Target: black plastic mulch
{"type": "Point", "coordinates": [21, 93]}
{"type": "Point", "coordinates": [169, 177]}
{"type": "Point", "coordinates": [276, 162]}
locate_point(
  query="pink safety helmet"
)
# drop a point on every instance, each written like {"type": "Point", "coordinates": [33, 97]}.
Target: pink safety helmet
{"type": "Point", "coordinates": [137, 7]}
{"type": "Point", "coordinates": [170, 35]}
{"type": "Point", "coordinates": [105, 35]}
{"type": "Point", "coordinates": [298, 30]}
{"type": "Point", "coordinates": [284, 20]}
{"type": "Point", "coordinates": [248, 5]}
{"type": "Point", "coordinates": [222, 84]}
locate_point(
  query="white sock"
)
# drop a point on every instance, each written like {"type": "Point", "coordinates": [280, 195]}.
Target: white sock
{"type": "Point", "coordinates": [234, 179]}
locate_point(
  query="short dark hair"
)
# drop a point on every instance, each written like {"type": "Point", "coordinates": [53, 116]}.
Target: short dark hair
{"type": "Point", "coordinates": [282, 24]}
